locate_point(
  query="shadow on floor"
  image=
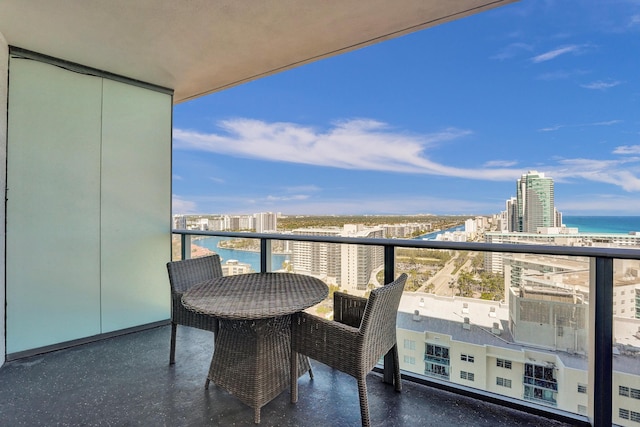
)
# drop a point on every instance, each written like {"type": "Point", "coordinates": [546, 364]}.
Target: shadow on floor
{"type": "Point", "coordinates": [127, 381]}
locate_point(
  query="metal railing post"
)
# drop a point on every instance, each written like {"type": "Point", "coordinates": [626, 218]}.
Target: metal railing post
{"type": "Point", "coordinates": [389, 276]}
{"type": "Point", "coordinates": [265, 255]}
{"type": "Point", "coordinates": [185, 246]}
{"type": "Point", "coordinates": [601, 350]}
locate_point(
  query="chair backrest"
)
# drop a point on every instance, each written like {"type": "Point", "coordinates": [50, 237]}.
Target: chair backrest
{"type": "Point", "coordinates": [186, 273]}
{"type": "Point", "coordinates": [378, 325]}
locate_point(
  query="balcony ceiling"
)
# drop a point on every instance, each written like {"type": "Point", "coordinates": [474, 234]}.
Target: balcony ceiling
{"type": "Point", "coordinates": [198, 47]}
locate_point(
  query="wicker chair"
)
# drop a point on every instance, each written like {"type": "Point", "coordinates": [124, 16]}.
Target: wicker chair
{"type": "Point", "coordinates": [362, 332]}
{"type": "Point", "coordinates": [182, 275]}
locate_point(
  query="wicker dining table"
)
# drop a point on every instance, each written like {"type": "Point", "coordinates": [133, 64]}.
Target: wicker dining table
{"type": "Point", "coordinates": [251, 359]}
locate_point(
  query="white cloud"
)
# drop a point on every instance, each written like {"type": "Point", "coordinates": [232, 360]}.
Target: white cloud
{"type": "Point", "coordinates": [217, 180]}
{"type": "Point", "coordinates": [600, 204]}
{"type": "Point", "coordinates": [182, 206]}
{"type": "Point", "coordinates": [287, 198]}
{"type": "Point", "coordinates": [500, 163]}
{"type": "Point", "coordinates": [385, 204]}
{"type": "Point", "coordinates": [611, 172]}
{"type": "Point", "coordinates": [552, 54]}
{"type": "Point", "coordinates": [303, 188]}
{"type": "Point", "coordinates": [558, 127]}
{"type": "Point", "coordinates": [374, 146]}
{"type": "Point", "coordinates": [351, 144]}
{"type": "Point", "coordinates": [605, 123]}
{"type": "Point", "coordinates": [627, 149]}
{"type": "Point", "coordinates": [511, 51]}
{"type": "Point", "coordinates": [551, 128]}
{"type": "Point", "coordinates": [601, 85]}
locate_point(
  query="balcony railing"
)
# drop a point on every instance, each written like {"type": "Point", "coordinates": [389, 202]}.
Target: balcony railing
{"type": "Point", "coordinates": [600, 295]}
{"type": "Point", "coordinates": [550, 385]}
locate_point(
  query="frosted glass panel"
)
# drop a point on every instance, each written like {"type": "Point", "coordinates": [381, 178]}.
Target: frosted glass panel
{"type": "Point", "coordinates": [136, 205]}
{"type": "Point", "coordinates": [53, 205]}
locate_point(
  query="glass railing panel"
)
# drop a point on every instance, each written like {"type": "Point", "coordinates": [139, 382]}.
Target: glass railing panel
{"type": "Point", "coordinates": [520, 330]}
{"type": "Point", "coordinates": [626, 347]}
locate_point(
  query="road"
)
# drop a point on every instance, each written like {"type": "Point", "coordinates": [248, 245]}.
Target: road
{"type": "Point", "coordinates": [445, 276]}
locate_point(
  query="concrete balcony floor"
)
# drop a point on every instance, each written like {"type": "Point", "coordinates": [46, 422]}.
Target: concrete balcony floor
{"type": "Point", "coordinates": [127, 381]}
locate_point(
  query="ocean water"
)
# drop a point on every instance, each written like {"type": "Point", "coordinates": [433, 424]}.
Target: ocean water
{"type": "Point", "coordinates": [603, 224]}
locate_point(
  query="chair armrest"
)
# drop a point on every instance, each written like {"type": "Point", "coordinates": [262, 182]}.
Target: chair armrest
{"type": "Point", "coordinates": [348, 309]}
{"type": "Point", "coordinates": [326, 341]}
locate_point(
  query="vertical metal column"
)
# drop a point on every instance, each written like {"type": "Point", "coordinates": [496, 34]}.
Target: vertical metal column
{"type": "Point", "coordinates": [185, 246]}
{"type": "Point", "coordinates": [389, 276]}
{"type": "Point", "coordinates": [601, 352]}
{"type": "Point", "coordinates": [265, 255]}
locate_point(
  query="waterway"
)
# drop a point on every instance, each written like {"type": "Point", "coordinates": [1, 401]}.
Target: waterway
{"type": "Point", "coordinates": [432, 236]}
{"type": "Point", "coordinates": [248, 257]}
{"type": "Point", "coordinates": [593, 224]}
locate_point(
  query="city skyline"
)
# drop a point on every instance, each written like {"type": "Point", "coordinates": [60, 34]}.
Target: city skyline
{"type": "Point", "coordinates": [442, 121]}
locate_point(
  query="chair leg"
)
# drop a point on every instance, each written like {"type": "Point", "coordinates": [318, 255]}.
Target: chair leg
{"type": "Point", "coordinates": [294, 376]}
{"type": "Point", "coordinates": [172, 353]}
{"type": "Point", "coordinates": [396, 369]}
{"type": "Point", "coordinates": [364, 402]}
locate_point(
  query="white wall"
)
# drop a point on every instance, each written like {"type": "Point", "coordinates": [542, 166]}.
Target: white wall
{"type": "Point", "coordinates": [4, 62]}
{"type": "Point", "coordinates": [89, 206]}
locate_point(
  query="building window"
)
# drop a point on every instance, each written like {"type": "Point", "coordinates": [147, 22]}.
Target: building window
{"type": "Point", "coordinates": [634, 393]}
{"type": "Point", "coordinates": [503, 382]}
{"type": "Point", "coordinates": [437, 354]}
{"type": "Point", "coordinates": [436, 370]}
{"type": "Point", "coordinates": [541, 395]}
{"type": "Point", "coordinates": [467, 375]}
{"type": "Point", "coordinates": [410, 360]}
{"type": "Point", "coordinates": [623, 413]}
{"type": "Point", "coordinates": [409, 344]}
{"type": "Point", "coordinates": [437, 361]}
{"type": "Point", "coordinates": [634, 416]}
{"type": "Point", "coordinates": [502, 363]}
{"type": "Point", "coordinates": [582, 388]}
{"type": "Point", "coordinates": [582, 410]}
{"type": "Point", "coordinates": [467, 358]}
{"type": "Point", "coordinates": [623, 391]}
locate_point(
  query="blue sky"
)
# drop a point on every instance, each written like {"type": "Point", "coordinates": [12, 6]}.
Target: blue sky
{"type": "Point", "coordinates": [442, 121]}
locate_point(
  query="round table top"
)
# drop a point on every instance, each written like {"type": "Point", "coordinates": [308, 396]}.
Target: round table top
{"type": "Point", "coordinates": [255, 295]}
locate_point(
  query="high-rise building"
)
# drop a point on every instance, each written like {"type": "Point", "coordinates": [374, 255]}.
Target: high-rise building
{"type": "Point", "coordinates": [535, 201]}
{"type": "Point", "coordinates": [266, 222]}
{"type": "Point", "coordinates": [349, 266]}
{"type": "Point", "coordinates": [512, 214]}
{"type": "Point", "coordinates": [317, 258]}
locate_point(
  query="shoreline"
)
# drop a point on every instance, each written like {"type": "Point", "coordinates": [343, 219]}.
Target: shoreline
{"type": "Point", "coordinates": [200, 251]}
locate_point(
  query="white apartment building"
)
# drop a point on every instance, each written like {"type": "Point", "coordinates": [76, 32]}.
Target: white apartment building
{"type": "Point", "coordinates": [560, 236]}
{"type": "Point", "coordinates": [265, 222]}
{"type": "Point", "coordinates": [470, 226]}
{"type": "Point", "coordinates": [468, 341]}
{"type": "Point", "coordinates": [349, 266]}
{"type": "Point", "coordinates": [359, 261]}
{"type": "Point", "coordinates": [233, 267]}
{"type": "Point", "coordinates": [405, 230]}
{"type": "Point", "coordinates": [317, 258]}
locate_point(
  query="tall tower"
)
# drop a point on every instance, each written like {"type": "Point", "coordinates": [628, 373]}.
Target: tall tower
{"type": "Point", "coordinates": [266, 222]}
{"type": "Point", "coordinates": [512, 214]}
{"type": "Point", "coordinates": [535, 200]}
